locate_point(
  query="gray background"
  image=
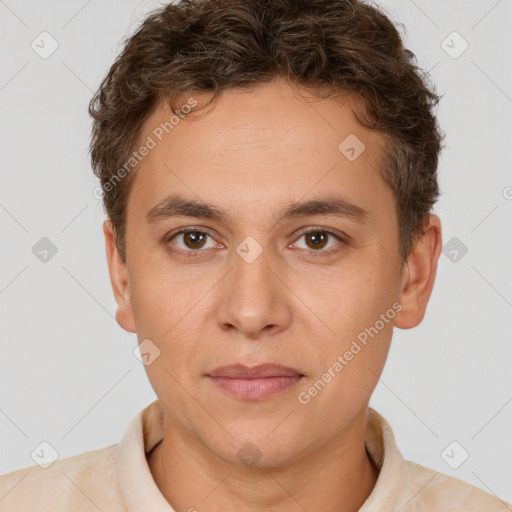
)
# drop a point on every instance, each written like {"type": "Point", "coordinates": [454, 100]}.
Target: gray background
{"type": "Point", "coordinates": [68, 373]}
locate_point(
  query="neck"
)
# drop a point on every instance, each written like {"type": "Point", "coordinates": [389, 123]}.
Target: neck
{"type": "Point", "coordinates": [336, 477]}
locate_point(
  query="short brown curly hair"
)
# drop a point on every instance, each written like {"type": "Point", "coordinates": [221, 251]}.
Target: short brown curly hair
{"type": "Point", "coordinates": [195, 46]}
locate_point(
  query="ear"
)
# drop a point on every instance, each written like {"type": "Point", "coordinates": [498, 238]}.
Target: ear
{"type": "Point", "coordinates": [418, 275]}
{"type": "Point", "coordinates": [119, 280]}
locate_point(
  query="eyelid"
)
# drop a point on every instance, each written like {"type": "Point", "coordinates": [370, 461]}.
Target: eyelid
{"type": "Point", "coordinates": [314, 229]}
{"type": "Point", "coordinates": [188, 229]}
{"type": "Point", "coordinates": [341, 237]}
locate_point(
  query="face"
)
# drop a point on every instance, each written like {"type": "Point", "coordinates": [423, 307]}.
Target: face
{"type": "Point", "coordinates": [293, 259]}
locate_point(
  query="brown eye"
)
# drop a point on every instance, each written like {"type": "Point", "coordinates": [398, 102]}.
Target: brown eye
{"type": "Point", "coordinates": [320, 242]}
{"type": "Point", "coordinates": [194, 239]}
{"type": "Point", "coordinates": [191, 240]}
{"type": "Point", "coordinates": [316, 239]}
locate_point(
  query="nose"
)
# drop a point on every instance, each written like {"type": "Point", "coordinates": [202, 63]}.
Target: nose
{"type": "Point", "coordinates": [253, 299]}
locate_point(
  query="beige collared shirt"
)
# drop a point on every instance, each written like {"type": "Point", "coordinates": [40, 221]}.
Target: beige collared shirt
{"type": "Point", "coordinates": [117, 478]}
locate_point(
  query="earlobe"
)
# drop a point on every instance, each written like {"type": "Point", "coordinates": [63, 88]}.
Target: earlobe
{"type": "Point", "coordinates": [119, 280]}
{"type": "Point", "coordinates": [419, 275]}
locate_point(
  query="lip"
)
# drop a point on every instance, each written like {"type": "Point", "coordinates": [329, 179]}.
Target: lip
{"type": "Point", "coordinates": [240, 371]}
{"type": "Point", "coordinates": [255, 383]}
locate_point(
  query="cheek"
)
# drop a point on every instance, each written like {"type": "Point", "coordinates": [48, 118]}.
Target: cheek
{"type": "Point", "coordinates": [169, 312]}
{"type": "Point", "coordinates": [159, 296]}
{"type": "Point", "coordinates": [151, 306]}
{"type": "Point", "coordinates": [353, 298]}
{"type": "Point", "coordinates": [357, 307]}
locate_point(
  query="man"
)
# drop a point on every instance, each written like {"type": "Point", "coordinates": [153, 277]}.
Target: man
{"type": "Point", "coordinates": [268, 170]}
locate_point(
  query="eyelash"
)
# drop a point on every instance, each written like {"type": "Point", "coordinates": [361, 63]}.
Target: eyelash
{"type": "Point", "coordinates": [313, 253]}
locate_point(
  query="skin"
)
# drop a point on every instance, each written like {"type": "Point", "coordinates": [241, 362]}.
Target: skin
{"type": "Point", "coordinates": [252, 154]}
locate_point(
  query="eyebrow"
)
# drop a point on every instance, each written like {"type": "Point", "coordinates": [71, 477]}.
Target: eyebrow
{"type": "Point", "coordinates": [176, 206]}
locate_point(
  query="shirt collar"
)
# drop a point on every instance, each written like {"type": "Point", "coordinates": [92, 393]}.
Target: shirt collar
{"type": "Point", "coordinates": [146, 430]}
{"type": "Point", "coordinates": [140, 491]}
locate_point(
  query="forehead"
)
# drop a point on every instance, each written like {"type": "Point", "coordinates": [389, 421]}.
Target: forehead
{"type": "Point", "coordinates": [273, 143]}
{"type": "Point", "coordinates": [271, 115]}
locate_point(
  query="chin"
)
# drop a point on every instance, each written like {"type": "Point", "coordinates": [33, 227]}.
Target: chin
{"type": "Point", "coordinates": [258, 451]}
